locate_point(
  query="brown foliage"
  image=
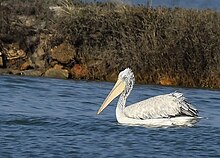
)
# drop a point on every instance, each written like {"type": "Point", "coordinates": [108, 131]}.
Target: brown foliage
{"type": "Point", "coordinates": [183, 44]}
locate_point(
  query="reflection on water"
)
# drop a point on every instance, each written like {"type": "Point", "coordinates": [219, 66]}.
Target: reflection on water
{"type": "Point", "coordinates": [43, 117]}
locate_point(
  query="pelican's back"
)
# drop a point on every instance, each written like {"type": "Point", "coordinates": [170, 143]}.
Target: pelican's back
{"type": "Point", "coordinates": [162, 106]}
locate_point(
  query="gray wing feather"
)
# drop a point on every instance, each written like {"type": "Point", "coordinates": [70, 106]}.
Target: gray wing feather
{"type": "Point", "coordinates": [162, 106]}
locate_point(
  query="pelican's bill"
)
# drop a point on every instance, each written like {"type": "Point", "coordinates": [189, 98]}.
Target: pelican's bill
{"type": "Point", "coordinates": [116, 90]}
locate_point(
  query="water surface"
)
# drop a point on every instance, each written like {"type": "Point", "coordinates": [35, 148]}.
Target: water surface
{"type": "Point", "coordinates": [189, 4]}
{"type": "Point", "coordinates": [42, 117]}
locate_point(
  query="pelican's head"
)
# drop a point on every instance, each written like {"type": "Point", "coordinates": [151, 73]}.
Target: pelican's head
{"type": "Point", "coordinates": [124, 84]}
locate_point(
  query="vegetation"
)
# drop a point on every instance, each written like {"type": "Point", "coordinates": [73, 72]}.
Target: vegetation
{"type": "Point", "coordinates": [167, 46]}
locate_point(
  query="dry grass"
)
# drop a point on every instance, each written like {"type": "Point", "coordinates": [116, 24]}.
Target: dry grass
{"type": "Point", "coordinates": [179, 43]}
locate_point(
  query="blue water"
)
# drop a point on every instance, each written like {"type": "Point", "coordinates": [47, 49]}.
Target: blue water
{"type": "Point", "coordinates": [194, 4]}
{"type": "Point", "coordinates": [42, 117]}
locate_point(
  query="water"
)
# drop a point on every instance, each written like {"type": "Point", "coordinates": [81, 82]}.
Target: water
{"type": "Point", "coordinates": [194, 4]}
{"type": "Point", "coordinates": [43, 117]}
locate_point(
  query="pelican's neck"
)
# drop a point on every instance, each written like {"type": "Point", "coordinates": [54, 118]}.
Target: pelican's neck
{"type": "Point", "coordinates": [121, 105]}
{"type": "Point", "coordinates": [123, 97]}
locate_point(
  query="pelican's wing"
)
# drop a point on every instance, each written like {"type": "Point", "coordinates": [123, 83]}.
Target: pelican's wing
{"type": "Point", "coordinates": [162, 106]}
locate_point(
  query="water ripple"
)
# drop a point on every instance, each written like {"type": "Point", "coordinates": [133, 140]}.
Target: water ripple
{"type": "Point", "coordinates": [57, 118]}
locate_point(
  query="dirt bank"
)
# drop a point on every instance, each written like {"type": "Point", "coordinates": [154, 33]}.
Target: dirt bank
{"type": "Point", "coordinates": [96, 41]}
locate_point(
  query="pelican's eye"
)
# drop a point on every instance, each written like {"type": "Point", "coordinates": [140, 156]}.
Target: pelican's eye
{"type": "Point", "coordinates": [125, 78]}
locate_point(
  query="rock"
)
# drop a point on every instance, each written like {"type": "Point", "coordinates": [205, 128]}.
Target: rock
{"type": "Point", "coordinates": [4, 71]}
{"type": "Point", "coordinates": [26, 65]}
{"type": "Point", "coordinates": [1, 60]}
{"type": "Point", "coordinates": [64, 53]}
{"type": "Point", "coordinates": [15, 54]}
{"type": "Point", "coordinates": [38, 58]}
{"type": "Point", "coordinates": [79, 71]}
{"type": "Point", "coordinates": [58, 67]}
{"type": "Point", "coordinates": [40, 53]}
{"type": "Point", "coordinates": [53, 63]}
{"type": "Point", "coordinates": [57, 73]}
{"type": "Point", "coordinates": [39, 63]}
{"type": "Point", "coordinates": [34, 73]}
{"type": "Point", "coordinates": [13, 51]}
{"type": "Point", "coordinates": [15, 72]}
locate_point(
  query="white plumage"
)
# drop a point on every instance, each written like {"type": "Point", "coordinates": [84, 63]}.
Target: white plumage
{"type": "Point", "coordinates": [163, 110]}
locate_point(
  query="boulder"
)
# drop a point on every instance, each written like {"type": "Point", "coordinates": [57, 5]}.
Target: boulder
{"type": "Point", "coordinates": [58, 67]}
{"type": "Point", "coordinates": [13, 51]}
{"type": "Point", "coordinates": [38, 58]}
{"type": "Point", "coordinates": [15, 72]}
{"type": "Point", "coordinates": [40, 53]}
{"type": "Point", "coordinates": [1, 60]}
{"type": "Point", "coordinates": [57, 73]}
{"type": "Point", "coordinates": [15, 54]}
{"type": "Point", "coordinates": [79, 71]}
{"type": "Point", "coordinates": [34, 73]}
{"type": "Point", "coordinates": [26, 65]}
{"type": "Point", "coordinates": [39, 63]}
{"type": "Point", "coordinates": [64, 53]}
{"type": "Point", "coordinates": [4, 71]}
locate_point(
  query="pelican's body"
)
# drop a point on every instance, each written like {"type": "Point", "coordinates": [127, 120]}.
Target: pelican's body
{"type": "Point", "coordinates": [163, 110]}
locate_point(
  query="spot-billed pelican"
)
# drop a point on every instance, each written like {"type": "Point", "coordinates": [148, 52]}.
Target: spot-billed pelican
{"type": "Point", "coordinates": [162, 110]}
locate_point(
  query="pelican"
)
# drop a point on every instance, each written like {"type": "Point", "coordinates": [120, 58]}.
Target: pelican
{"type": "Point", "coordinates": [163, 110]}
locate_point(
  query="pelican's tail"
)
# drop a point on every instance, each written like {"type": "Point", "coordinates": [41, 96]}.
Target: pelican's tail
{"type": "Point", "coordinates": [186, 108]}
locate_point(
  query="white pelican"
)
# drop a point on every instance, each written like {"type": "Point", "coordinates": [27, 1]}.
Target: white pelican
{"type": "Point", "coordinates": [162, 110]}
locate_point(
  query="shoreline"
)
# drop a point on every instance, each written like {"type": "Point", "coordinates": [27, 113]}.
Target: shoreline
{"type": "Point", "coordinates": [88, 80]}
